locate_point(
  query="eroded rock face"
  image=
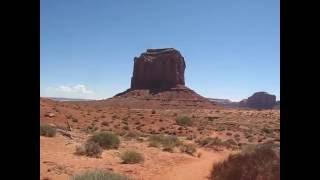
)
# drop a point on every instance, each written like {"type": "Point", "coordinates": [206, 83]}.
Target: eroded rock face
{"type": "Point", "coordinates": [259, 100]}
{"type": "Point", "coordinates": [158, 69]}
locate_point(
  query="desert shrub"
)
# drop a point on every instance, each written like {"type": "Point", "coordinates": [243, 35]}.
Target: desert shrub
{"type": "Point", "coordinates": [188, 148]}
{"type": "Point", "coordinates": [74, 120]}
{"type": "Point", "coordinates": [131, 135]}
{"type": "Point", "coordinates": [126, 127]}
{"type": "Point", "coordinates": [210, 141]}
{"type": "Point", "coordinates": [230, 143]}
{"type": "Point", "coordinates": [47, 130]}
{"type": "Point", "coordinates": [184, 121]}
{"type": "Point", "coordinates": [199, 154]}
{"type": "Point", "coordinates": [210, 118]}
{"type": "Point", "coordinates": [132, 157]}
{"type": "Point", "coordinates": [99, 175]}
{"type": "Point", "coordinates": [165, 139]}
{"type": "Point", "coordinates": [106, 140]}
{"type": "Point", "coordinates": [91, 149]}
{"type": "Point", "coordinates": [254, 162]}
{"type": "Point", "coordinates": [168, 142]}
{"type": "Point", "coordinates": [154, 144]}
{"type": "Point", "coordinates": [153, 111]}
{"type": "Point", "coordinates": [168, 147]}
{"type": "Point", "coordinates": [267, 131]}
{"type": "Point", "coordinates": [105, 123]}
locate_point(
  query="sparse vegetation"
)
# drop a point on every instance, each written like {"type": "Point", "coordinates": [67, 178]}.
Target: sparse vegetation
{"type": "Point", "coordinates": [199, 154]}
{"type": "Point", "coordinates": [106, 140]}
{"type": "Point", "coordinates": [210, 118]}
{"type": "Point", "coordinates": [267, 131]}
{"type": "Point", "coordinates": [91, 149]}
{"type": "Point", "coordinates": [74, 120]}
{"type": "Point", "coordinates": [47, 130]}
{"type": "Point", "coordinates": [153, 111]}
{"type": "Point", "coordinates": [99, 175]}
{"type": "Point", "coordinates": [105, 123]}
{"type": "Point", "coordinates": [258, 162]}
{"type": "Point", "coordinates": [188, 148]}
{"type": "Point", "coordinates": [168, 142]}
{"type": "Point", "coordinates": [132, 157]}
{"type": "Point", "coordinates": [210, 141]}
{"type": "Point", "coordinates": [184, 121]}
{"type": "Point", "coordinates": [131, 135]}
{"type": "Point", "coordinates": [154, 144]}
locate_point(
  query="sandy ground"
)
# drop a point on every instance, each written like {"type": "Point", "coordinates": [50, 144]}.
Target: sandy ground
{"type": "Point", "coordinates": [58, 161]}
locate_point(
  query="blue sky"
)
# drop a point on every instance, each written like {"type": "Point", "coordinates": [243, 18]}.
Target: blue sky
{"type": "Point", "coordinates": [231, 47]}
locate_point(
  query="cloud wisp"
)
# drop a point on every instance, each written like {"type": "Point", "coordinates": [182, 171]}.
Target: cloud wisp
{"type": "Point", "coordinates": [73, 91]}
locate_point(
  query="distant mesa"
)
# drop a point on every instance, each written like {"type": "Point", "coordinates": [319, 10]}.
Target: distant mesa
{"type": "Point", "coordinates": [259, 100]}
{"type": "Point", "coordinates": [224, 102]}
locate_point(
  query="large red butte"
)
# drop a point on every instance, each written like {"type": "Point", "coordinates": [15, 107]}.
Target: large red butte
{"type": "Point", "coordinates": [158, 69]}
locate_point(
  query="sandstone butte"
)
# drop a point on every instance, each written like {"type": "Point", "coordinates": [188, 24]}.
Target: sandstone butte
{"type": "Point", "coordinates": [259, 100]}
{"type": "Point", "coordinates": [158, 82]}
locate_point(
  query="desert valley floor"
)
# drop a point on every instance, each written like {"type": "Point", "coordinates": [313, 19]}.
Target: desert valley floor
{"type": "Point", "coordinates": [77, 121]}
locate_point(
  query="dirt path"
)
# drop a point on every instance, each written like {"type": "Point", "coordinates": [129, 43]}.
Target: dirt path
{"type": "Point", "coordinates": [195, 169]}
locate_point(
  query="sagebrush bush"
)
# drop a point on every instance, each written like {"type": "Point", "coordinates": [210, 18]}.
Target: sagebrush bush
{"type": "Point", "coordinates": [131, 157]}
{"type": "Point", "coordinates": [184, 121]}
{"type": "Point", "coordinates": [165, 139]}
{"type": "Point", "coordinates": [99, 175]}
{"type": "Point", "coordinates": [90, 148]}
{"type": "Point", "coordinates": [168, 142]}
{"type": "Point", "coordinates": [210, 141]}
{"type": "Point", "coordinates": [154, 144]}
{"type": "Point", "coordinates": [257, 162]}
{"type": "Point", "coordinates": [188, 148]}
{"type": "Point", "coordinates": [168, 147]}
{"type": "Point", "coordinates": [47, 130]}
{"type": "Point", "coordinates": [131, 135]}
{"type": "Point", "coordinates": [106, 140]}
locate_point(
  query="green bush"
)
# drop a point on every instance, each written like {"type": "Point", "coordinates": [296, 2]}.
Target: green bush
{"type": "Point", "coordinates": [188, 148]}
{"type": "Point", "coordinates": [106, 140]}
{"type": "Point", "coordinates": [99, 175]}
{"type": "Point", "coordinates": [255, 162]}
{"type": "Point", "coordinates": [91, 149]}
{"type": "Point", "coordinates": [132, 157]}
{"type": "Point", "coordinates": [184, 121]}
{"type": "Point", "coordinates": [47, 130]}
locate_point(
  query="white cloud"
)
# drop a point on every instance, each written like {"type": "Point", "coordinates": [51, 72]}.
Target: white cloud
{"type": "Point", "coordinates": [74, 91]}
{"type": "Point", "coordinates": [80, 88]}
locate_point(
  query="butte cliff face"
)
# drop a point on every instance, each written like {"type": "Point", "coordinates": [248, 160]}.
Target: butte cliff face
{"type": "Point", "coordinates": [158, 69]}
{"type": "Point", "coordinates": [259, 100]}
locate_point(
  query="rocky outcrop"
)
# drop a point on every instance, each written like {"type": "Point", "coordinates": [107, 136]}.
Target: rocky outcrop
{"type": "Point", "coordinates": [158, 69]}
{"type": "Point", "coordinates": [259, 100]}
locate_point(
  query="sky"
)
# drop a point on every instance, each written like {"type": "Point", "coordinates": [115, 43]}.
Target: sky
{"type": "Point", "coordinates": [231, 47]}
